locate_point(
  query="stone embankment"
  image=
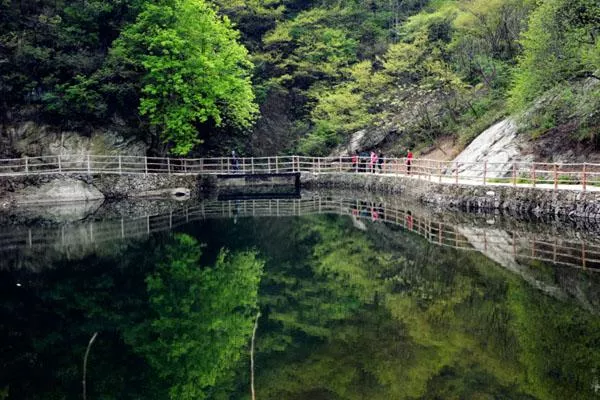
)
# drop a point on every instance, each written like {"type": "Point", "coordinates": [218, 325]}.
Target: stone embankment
{"type": "Point", "coordinates": [46, 189]}
{"type": "Point", "coordinates": [507, 199]}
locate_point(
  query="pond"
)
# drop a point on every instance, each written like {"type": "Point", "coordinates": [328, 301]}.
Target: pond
{"type": "Point", "coordinates": [332, 296]}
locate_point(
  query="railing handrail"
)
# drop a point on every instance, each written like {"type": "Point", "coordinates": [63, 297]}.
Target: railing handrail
{"type": "Point", "coordinates": [575, 176]}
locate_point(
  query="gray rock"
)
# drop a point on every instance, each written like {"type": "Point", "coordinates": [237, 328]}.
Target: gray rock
{"type": "Point", "coordinates": [34, 140]}
{"type": "Point", "coordinates": [499, 145]}
{"type": "Point", "coordinates": [59, 190]}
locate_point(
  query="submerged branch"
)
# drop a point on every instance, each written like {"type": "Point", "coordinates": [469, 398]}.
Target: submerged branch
{"type": "Point", "coordinates": [252, 357]}
{"type": "Point", "coordinates": [85, 358]}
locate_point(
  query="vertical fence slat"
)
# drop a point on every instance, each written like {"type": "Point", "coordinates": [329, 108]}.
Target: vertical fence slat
{"type": "Point", "coordinates": [456, 173]}
{"type": "Point", "coordinates": [485, 167]}
{"type": "Point", "coordinates": [584, 178]}
{"type": "Point", "coordinates": [514, 174]}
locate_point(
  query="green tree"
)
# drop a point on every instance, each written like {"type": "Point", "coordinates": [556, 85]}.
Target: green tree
{"type": "Point", "coordinates": [194, 71]}
{"type": "Point", "coordinates": [561, 43]}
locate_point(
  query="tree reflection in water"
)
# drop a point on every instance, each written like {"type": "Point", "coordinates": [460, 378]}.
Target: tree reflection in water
{"type": "Point", "coordinates": [379, 313]}
{"type": "Point", "coordinates": [201, 317]}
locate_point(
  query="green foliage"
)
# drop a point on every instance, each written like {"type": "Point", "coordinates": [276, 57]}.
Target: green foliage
{"type": "Point", "coordinates": [48, 50]}
{"type": "Point", "coordinates": [306, 49]}
{"type": "Point", "coordinates": [175, 73]}
{"type": "Point", "coordinates": [560, 44]}
{"type": "Point", "coordinates": [203, 316]}
{"type": "Point", "coordinates": [194, 70]}
{"type": "Point", "coordinates": [569, 108]}
{"type": "Point", "coordinates": [339, 110]}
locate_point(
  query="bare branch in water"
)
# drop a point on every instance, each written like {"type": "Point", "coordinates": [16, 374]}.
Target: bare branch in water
{"type": "Point", "coordinates": [252, 357]}
{"type": "Point", "coordinates": [85, 358]}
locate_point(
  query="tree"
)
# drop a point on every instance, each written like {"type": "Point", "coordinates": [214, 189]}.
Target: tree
{"type": "Point", "coordinates": [561, 43]}
{"type": "Point", "coordinates": [193, 69]}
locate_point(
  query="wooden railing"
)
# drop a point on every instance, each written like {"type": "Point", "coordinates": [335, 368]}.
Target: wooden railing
{"type": "Point", "coordinates": [574, 176]}
{"type": "Point", "coordinates": [573, 252]}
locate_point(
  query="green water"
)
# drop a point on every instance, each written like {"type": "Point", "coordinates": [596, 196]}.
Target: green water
{"type": "Point", "coordinates": [367, 302]}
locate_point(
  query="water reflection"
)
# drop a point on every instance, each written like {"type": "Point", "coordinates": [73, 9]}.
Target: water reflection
{"type": "Point", "coordinates": [502, 245]}
{"type": "Point", "coordinates": [360, 299]}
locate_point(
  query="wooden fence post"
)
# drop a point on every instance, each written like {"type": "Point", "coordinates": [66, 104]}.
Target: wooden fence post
{"type": "Point", "coordinates": [89, 166]}
{"type": "Point", "coordinates": [584, 181]}
{"type": "Point", "coordinates": [456, 174]}
{"type": "Point", "coordinates": [484, 171]}
{"type": "Point", "coordinates": [168, 165]}
{"type": "Point", "coordinates": [533, 173]}
{"type": "Point", "coordinates": [26, 165]}
{"type": "Point", "coordinates": [59, 165]}
{"type": "Point", "coordinates": [514, 175]}
{"type": "Point", "coordinates": [120, 169]}
{"type": "Point", "coordinates": [555, 177]}
{"type": "Point", "coordinates": [276, 164]}
{"type": "Point", "coordinates": [146, 165]}
{"type": "Point", "coordinates": [184, 162]}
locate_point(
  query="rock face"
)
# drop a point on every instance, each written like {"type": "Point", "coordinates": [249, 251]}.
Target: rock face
{"type": "Point", "coordinates": [499, 145]}
{"type": "Point", "coordinates": [47, 189]}
{"type": "Point", "coordinates": [32, 140]}
{"type": "Point", "coordinates": [59, 190]}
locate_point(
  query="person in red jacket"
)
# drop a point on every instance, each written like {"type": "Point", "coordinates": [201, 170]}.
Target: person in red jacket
{"type": "Point", "coordinates": [355, 161]}
{"type": "Point", "coordinates": [409, 159]}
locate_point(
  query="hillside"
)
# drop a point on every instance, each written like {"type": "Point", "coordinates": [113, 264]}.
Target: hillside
{"type": "Point", "coordinates": [283, 76]}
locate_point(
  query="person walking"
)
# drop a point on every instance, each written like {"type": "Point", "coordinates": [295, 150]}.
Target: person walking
{"type": "Point", "coordinates": [355, 161]}
{"type": "Point", "coordinates": [235, 162]}
{"type": "Point", "coordinates": [373, 161]}
{"type": "Point", "coordinates": [380, 161]}
{"type": "Point", "coordinates": [409, 161]}
{"type": "Point", "coordinates": [409, 221]}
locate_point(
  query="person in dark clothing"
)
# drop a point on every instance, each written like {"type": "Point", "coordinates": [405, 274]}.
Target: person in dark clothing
{"type": "Point", "coordinates": [380, 162]}
{"type": "Point", "coordinates": [235, 162]}
{"type": "Point", "coordinates": [409, 160]}
{"type": "Point", "coordinates": [363, 160]}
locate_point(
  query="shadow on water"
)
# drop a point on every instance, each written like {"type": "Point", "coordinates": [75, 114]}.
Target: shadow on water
{"type": "Point", "coordinates": [360, 297]}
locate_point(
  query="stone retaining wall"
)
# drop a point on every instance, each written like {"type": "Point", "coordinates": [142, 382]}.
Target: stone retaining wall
{"type": "Point", "coordinates": [509, 199]}
{"type": "Point", "coordinates": [59, 188]}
